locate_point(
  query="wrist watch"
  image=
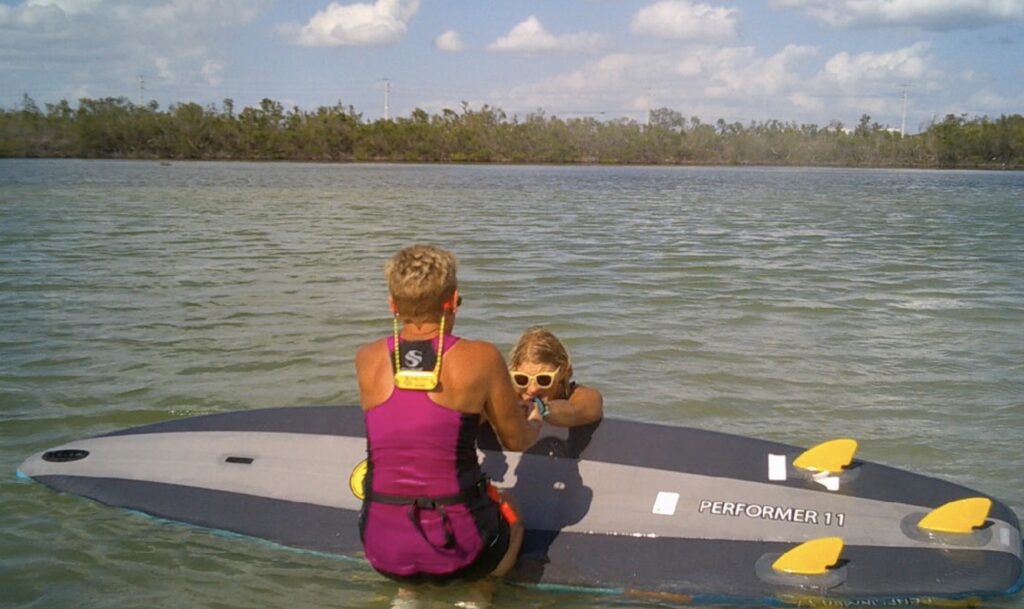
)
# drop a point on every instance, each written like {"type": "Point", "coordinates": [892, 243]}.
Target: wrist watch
{"type": "Point", "coordinates": [541, 406]}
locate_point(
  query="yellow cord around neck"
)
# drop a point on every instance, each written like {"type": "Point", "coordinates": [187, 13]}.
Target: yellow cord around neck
{"type": "Point", "coordinates": [418, 380]}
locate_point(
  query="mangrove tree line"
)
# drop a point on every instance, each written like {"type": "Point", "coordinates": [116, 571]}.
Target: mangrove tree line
{"type": "Point", "coordinates": [118, 128]}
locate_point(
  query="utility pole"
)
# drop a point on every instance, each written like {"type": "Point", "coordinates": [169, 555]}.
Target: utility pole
{"type": "Point", "coordinates": [903, 121]}
{"type": "Point", "coordinates": [387, 99]}
{"type": "Point", "coordinates": [647, 101]}
{"type": "Point", "coordinates": [142, 90]}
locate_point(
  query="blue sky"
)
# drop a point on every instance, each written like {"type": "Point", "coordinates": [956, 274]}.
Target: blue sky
{"type": "Point", "coordinates": [809, 61]}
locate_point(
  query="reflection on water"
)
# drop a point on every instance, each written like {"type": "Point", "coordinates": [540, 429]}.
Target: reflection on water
{"type": "Point", "coordinates": [789, 304]}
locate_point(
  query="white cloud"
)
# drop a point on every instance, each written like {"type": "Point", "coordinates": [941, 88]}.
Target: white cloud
{"type": "Point", "coordinates": [27, 18]}
{"type": "Point", "coordinates": [806, 102]}
{"type": "Point", "coordinates": [530, 36]}
{"type": "Point", "coordinates": [939, 15]}
{"type": "Point", "coordinates": [449, 41]}
{"type": "Point", "coordinates": [740, 71]}
{"type": "Point", "coordinates": [212, 72]}
{"type": "Point", "coordinates": [205, 15]}
{"type": "Point", "coordinates": [104, 45]}
{"type": "Point", "coordinates": [163, 68]}
{"type": "Point", "coordinates": [68, 7]}
{"type": "Point", "coordinates": [383, 22]}
{"type": "Point", "coordinates": [988, 102]}
{"type": "Point", "coordinates": [864, 71]}
{"type": "Point", "coordinates": [698, 79]}
{"type": "Point", "coordinates": [871, 82]}
{"type": "Point", "coordinates": [682, 20]}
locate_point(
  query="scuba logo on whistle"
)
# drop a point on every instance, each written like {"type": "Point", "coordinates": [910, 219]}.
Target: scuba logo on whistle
{"type": "Point", "coordinates": [413, 360]}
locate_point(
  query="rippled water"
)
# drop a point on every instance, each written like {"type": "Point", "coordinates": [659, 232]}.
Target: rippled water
{"type": "Point", "coordinates": [789, 304]}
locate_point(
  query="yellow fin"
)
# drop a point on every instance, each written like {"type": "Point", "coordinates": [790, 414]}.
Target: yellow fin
{"type": "Point", "coordinates": [812, 557]}
{"type": "Point", "coordinates": [960, 516]}
{"type": "Point", "coordinates": [830, 456]}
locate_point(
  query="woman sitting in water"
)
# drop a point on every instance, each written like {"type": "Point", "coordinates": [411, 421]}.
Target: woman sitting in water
{"type": "Point", "coordinates": [429, 514]}
{"type": "Point", "coordinates": [541, 371]}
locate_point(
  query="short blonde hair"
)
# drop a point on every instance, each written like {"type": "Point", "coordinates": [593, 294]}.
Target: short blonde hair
{"type": "Point", "coordinates": [540, 346]}
{"type": "Point", "coordinates": [421, 278]}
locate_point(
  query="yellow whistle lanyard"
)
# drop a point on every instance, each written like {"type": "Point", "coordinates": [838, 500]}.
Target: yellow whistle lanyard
{"type": "Point", "coordinates": [440, 348]}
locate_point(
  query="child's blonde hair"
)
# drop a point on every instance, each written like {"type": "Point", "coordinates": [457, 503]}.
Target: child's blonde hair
{"type": "Point", "coordinates": [421, 278]}
{"type": "Point", "coordinates": [539, 345]}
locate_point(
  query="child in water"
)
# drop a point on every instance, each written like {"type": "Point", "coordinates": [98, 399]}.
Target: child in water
{"type": "Point", "coordinates": [542, 374]}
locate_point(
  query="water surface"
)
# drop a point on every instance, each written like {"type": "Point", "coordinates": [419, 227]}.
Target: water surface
{"type": "Point", "coordinates": [789, 304]}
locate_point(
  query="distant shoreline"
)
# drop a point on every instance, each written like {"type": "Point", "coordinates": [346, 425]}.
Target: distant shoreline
{"type": "Point", "coordinates": [115, 128]}
{"type": "Point", "coordinates": [172, 160]}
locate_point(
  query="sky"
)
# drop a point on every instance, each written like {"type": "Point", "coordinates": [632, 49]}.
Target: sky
{"type": "Point", "coordinates": [803, 61]}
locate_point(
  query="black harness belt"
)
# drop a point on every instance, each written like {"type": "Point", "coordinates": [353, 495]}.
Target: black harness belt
{"type": "Point", "coordinates": [465, 496]}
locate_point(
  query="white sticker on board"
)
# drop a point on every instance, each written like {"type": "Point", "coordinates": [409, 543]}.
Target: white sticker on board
{"type": "Point", "coordinates": [777, 467]}
{"type": "Point", "coordinates": [665, 503]}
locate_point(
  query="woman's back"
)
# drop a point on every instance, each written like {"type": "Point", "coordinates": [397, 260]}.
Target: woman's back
{"type": "Point", "coordinates": [428, 512]}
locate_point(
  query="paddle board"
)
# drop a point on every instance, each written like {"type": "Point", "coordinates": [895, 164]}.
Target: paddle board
{"type": "Point", "coordinates": [621, 506]}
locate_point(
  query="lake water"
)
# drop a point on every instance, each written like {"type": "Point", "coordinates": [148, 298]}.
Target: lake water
{"type": "Point", "coordinates": [789, 304]}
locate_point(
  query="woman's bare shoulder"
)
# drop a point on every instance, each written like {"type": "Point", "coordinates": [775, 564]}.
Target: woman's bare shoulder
{"type": "Point", "coordinates": [370, 351]}
{"type": "Point", "coordinates": [469, 348]}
